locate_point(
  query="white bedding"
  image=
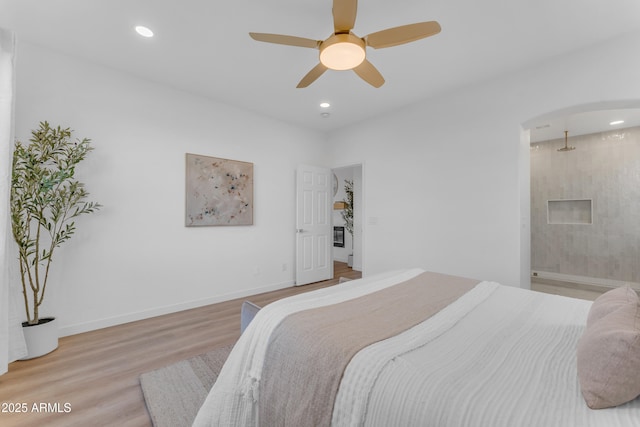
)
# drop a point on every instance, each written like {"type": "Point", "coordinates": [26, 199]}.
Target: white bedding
{"type": "Point", "coordinates": [233, 400]}
{"type": "Point", "coordinates": [506, 360]}
{"type": "Point", "coordinates": [498, 356]}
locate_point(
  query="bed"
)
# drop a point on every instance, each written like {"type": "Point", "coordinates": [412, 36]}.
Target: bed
{"type": "Point", "coordinates": [415, 348]}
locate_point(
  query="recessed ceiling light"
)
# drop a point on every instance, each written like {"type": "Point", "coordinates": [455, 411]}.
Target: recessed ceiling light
{"type": "Point", "coordinates": [617, 122]}
{"type": "Point", "coordinates": [325, 115]}
{"type": "Point", "coordinates": [144, 31]}
{"type": "Point", "coordinates": [325, 105]}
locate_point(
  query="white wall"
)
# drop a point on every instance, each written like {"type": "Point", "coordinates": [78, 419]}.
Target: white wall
{"type": "Point", "coordinates": [445, 179]}
{"type": "Point", "coordinates": [135, 258]}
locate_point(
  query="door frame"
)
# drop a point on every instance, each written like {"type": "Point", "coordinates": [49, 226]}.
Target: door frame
{"type": "Point", "coordinates": [360, 225]}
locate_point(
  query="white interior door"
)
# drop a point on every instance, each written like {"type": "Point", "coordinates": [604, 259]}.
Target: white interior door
{"type": "Point", "coordinates": [314, 189]}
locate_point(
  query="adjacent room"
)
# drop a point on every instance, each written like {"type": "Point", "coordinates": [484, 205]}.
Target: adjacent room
{"type": "Point", "coordinates": [584, 190]}
{"type": "Point", "coordinates": [244, 205]}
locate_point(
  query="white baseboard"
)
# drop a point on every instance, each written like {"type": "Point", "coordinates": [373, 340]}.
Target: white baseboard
{"type": "Point", "coordinates": [146, 314]}
{"type": "Point", "coordinates": [583, 280]}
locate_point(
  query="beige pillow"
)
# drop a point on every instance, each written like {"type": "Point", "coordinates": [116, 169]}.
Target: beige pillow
{"type": "Point", "coordinates": [610, 301]}
{"type": "Point", "coordinates": [608, 356]}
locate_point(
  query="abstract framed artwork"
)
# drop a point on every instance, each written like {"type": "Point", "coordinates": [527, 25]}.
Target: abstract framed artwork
{"type": "Point", "coordinates": [218, 191]}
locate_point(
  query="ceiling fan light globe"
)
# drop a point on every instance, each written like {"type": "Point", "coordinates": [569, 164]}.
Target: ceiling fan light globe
{"type": "Point", "coordinates": [342, 52]}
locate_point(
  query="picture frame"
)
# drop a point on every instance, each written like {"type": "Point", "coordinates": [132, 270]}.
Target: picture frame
{"type": "Point", "coordinates": [218, 191]}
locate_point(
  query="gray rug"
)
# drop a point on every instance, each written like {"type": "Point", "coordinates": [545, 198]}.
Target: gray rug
{"type": "Point", "coordinates": [174, 394]}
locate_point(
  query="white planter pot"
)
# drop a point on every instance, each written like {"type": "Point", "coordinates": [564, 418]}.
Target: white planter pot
{"type": "Point", "coordinates": [350, 261]}
{"type": "Point", "coordinates": [41, 339]}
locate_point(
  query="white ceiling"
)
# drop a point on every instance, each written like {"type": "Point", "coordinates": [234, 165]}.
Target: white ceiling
{"type": "Point", "coordinates": [584, 123]}
{"type": "Point", "coordinates": [203, 46]}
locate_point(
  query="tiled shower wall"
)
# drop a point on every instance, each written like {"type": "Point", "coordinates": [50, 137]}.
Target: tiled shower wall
{"type": "Point", "coordinates": [604, 168]}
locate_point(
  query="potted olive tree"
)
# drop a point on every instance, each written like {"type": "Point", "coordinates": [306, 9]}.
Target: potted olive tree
{"type": "Point", "coordinates": [347, 215]}
{"type": "Point", "coordinates": [45, 199]}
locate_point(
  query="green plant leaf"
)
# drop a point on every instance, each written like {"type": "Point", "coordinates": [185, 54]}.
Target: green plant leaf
{"type": "Point", "coordinates": [44, 197]}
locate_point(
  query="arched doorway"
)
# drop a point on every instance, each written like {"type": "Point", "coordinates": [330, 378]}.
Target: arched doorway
{"type": "Point", "coordinates": [584, 200]}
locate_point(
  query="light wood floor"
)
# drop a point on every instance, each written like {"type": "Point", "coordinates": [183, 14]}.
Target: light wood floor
{"type": "Point", "coordinates": [96, 373]}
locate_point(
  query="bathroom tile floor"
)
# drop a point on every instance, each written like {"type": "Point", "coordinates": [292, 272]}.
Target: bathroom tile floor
{"type": "Point", "coordinates": [574, 290]}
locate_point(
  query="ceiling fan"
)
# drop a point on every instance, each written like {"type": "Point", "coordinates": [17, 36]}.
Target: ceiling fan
{"type": "Point", "coordinates": [343, 50]}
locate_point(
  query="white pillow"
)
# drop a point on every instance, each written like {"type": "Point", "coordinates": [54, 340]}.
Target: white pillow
{"type": "Point", "coordinates": [608, 354]}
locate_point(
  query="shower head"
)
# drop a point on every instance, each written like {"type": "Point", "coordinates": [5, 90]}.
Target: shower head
{"type": "Point", "coordinates": [566, 148]}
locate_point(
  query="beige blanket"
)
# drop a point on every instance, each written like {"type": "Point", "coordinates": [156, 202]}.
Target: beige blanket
{"type": "Point", "coordinates": [309, 350]}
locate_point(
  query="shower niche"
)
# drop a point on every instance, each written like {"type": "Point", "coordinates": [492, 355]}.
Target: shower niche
{"type": "Point", "coordinates": [574, 211]}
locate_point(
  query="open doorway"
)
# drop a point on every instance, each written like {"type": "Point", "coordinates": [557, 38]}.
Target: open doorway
{"type": "Point", "coordinates": [347, 246]}
{"type": "Point", "coordinates": [585, 199]}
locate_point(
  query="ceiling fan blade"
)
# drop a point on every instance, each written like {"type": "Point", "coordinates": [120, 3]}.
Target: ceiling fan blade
{"type": "Point", "coordinates": [369, 74]}
{"type": "Point", "coordinates": [344, 15]}
{"type": "Point", "coordinates": [403, 34]}
{"type": "Point", "coordinates": [312, 76]}
{"type": "Point", "coordinates": [288, 40]}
